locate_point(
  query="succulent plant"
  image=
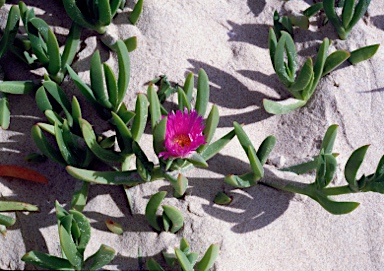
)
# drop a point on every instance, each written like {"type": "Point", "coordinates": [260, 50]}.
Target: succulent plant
{"type": "Point", "coordinates": [302, 86]}
{"type": "Point", "coordinates": [351, 13]}
{"type": "Point", "coordinates": [74, 234]}
{"type": "Point", "coordinates": [186, 259]}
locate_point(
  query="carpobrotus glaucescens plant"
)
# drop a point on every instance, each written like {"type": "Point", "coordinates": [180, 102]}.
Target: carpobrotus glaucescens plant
{"type": "Point", "coordinates": [183, 134]}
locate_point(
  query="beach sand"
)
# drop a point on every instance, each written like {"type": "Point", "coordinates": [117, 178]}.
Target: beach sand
{"type": "Point", "coordinates": [262, 228]}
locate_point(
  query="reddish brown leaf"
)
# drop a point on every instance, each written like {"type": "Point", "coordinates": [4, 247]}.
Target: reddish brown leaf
{"type": "Point", "coordinates": [22, 173]}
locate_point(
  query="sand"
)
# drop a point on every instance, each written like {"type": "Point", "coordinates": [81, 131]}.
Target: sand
{"type": "Point", "coordinates": [263, 228]}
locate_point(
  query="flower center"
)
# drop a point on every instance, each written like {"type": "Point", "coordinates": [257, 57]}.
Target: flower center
{"type": "Point", "coordinates": [182, 140]}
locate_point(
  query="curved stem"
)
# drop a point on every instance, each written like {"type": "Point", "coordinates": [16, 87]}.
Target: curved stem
{"type": "Point", "coordinates": [332, 191]}
{"type": "Point", "coordinates": [290, 186]}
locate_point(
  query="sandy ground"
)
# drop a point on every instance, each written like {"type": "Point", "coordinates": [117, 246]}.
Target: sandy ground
{"type": "Point", "coordinates": [262, 229]}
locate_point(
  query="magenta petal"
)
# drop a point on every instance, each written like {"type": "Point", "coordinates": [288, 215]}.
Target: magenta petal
{"type": "Point", "coordinates": [183, 134]}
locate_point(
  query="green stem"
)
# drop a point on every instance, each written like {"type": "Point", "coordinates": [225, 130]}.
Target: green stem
{"type": "Point", "coordinates": [332, 191]}
{"type": "Point", "coordinates": [305, 189]}
{"type": "Point", "coordinates": [289, 186]}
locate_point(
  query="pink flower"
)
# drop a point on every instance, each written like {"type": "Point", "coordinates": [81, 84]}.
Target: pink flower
{"type": "Point", "coordinates": [183, 134]}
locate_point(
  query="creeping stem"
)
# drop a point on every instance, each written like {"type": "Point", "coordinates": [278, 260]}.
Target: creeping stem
{"type": "Point", "coordinates": [305, 189]}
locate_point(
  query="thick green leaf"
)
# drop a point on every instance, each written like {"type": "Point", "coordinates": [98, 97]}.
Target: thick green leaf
{"type": "Point", "coordinates": [329, 139]}
{"type": "Point", "coordinates": [334, 60]}
{"type": "Point", "coordinates": [60, 211]}
{"type": "Point", "coordinates": [54, 64]}
{"type": "Point", "coordinates": [335, 207]}
{"type": "Point", "coordinates": [141, 115]}
{"type": "Point", "coordinates": [300, 21]}
{"type": "Point", "coordinates": [143, 166]}
{"type": "Point", "coordinates": [180, 185]}
{"type": "Point", "coordinates": [103, 256]}
{"type": "Point", "coordinates": [84, 89]}
{"type": "Point", "coordinates": [380, 167]}
{"type": "Point", "coordinates": [326, 169]}
{"type": "Point", "coordinates": [359, 12]}
{"type": "Point", "coordinates": [104, 11]}
{"type": "Point", "coordinates": [151, 209]}
{"type": "Point", "coordinates": [124, 69]}
{"type": "Point", "coordinates": [69, 247]}
{"type": "Point", "coordinates": [331, 165]}
{"type": "Point", "coordinates": [84, 227]}
{"type": "Point", "coordinates": [182, 100]}
{"type": "Point", "coordinates": [217, 146]}
{"type": "Point", "coordinates": [111, 84]}
{"type": "Point", "coordinates": [363, 53]}
{"type": "Point", "coordinates": [135, 14]}
{"type": "Point", "coordinates": [66, 152]}
{"type": "Point", "coordinates": [209, 258]}
{"type": "Point", "coordinates": [211, 124]}
{"type": "Point", "coordinates": [38, 34]}
{"type": "Point", "coordinates": [60, 97]}
{"type": "Point", "coordinates": [75, 14]}
{"type": "Point", "coordinates": [347, 13]}
{"type": "Point", "coordinates": [222, 199]}
{"type": "Point", "coordinates": [131, 43]}
{"type": "Point", "coordinates": [318, 68]}
{"type": "Point", "coordinates": [47, 261]}
{"type": "Point", "coordinates": [183, 260]}
{"type": "Point", "coordinates": [166, 222]}
{"type": "Point", "coordinates": [11, 29]}
{"type": "Point", "coordinates": [18, 87]}
{"type": "Point", "coordinates": [243, 181]}
{"type": "Point", "coordinates": [304, 78]}
{"type": "Point", "coordinates": [79, 197]}
{"type": "Point", "coordinates": [76, 115]}
{"type": "Point", "coordinates": [329, 9]}
{"type": "Point", "coordinates": [103, 177]}
{"type": "Point", "coordinates": [266, 148]}
{"type": "Point", "coordinates": [184, 246]}
{"type": "Point", "coordinates": [202, 96]}
{"type": "Point", "coordinates": [192, 257]}
{"type": "Point", "coordinates": [42, 100]}
{"type": "Point", "coordinates": [91, 141]}
{"type": "Point", "coordinates": [282, 71]}
{"type": "Point", "coordinates": [126, 140]}
{"type": "Point", "coordinates": [45, 147]}
{"type": "Point", "coordinates": [353, 164]}
{"type": "Point", "coordinates": [125, 114]}
{"type": "Point", "coordinates": [52, 118]}
{"type": "Point", "coordinates": [152, 265]}
{"type": "Point", "coordinates": [282, 107]}
{"type": "Point", "coordinates": [114, 227]}
{"type": "Point", "coordinates": [312, 10]}
{"type": "Point", "coordinates": [188, 86]}
{"type": "Point", "coordinates": [243, 138]}
{"type": "Point", "coordinates": [159, 136]}
{"type": "Point", "coordinates": [5, 113]}
{"type": "Point", "coordinates": [7, 221]}
{"type": "Point", "coordinates": [10, 206]}
{"type": "Point", "coordinates": [154, 106]}
{"type": "Point", "coordinates": [291, 55]}
{"type": "Point", "coordinates": [197, 160]}
{"type": "Point", "coordinates": [70, 48]}
{"type": "Point", "coordinates": [272, 44]}
{"type": "Point", "coordinates": [97, 82]}
{"type": "Point", "coordinates": [256, 165]}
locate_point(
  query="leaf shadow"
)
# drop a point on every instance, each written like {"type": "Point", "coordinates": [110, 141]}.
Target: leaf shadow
{"type": "Point", "coordinates": [251, 208]}
{"type": "Point", "coordinates": [227, 91]}
{"type": "Point", "coordinates": [378, 21]}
